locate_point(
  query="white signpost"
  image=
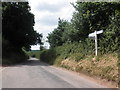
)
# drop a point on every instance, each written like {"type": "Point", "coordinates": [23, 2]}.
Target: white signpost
{"type": "Point", "coordinates": [94, 35]}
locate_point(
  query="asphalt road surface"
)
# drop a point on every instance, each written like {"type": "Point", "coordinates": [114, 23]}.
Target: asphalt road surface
{"type": "Point", "coordinates": [36, 74]}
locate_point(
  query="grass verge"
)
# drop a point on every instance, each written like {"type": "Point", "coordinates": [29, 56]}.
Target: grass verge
{"type": "Point", "coordinates": [72, 57]}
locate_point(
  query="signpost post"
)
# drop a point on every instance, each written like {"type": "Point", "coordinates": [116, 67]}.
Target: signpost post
{"type": "Point", "coordinates": [94, 35]}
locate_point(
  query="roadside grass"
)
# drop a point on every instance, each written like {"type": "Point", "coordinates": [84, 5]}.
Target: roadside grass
{"type": "Point", "coordinates": [72, 57]}
{"type": "Point", "coordinates": [105, 67]}
{"type": "Point", "coordinates": [34, 53]}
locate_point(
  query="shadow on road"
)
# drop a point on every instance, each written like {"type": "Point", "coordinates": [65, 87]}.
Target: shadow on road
{"type": "Point", "coordinates": [30, 62]}
{"type": "Point", "coordinates": [34, 62]}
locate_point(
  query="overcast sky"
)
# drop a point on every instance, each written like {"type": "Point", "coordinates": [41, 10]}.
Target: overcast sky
{"type": "Point", "coordinates": [47, 13]}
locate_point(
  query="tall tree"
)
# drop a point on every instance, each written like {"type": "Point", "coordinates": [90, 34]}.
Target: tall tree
{"type": "Point", "coordinates": [88, 17]}
{"type": "Point", "coordinates": [17, 31]}
{"type": "Point", "coordinates": [55, 38]}
{"type": "Point", "coordinates": [91, 16]}
{"type": "Point", "coordinates": [17, 24]}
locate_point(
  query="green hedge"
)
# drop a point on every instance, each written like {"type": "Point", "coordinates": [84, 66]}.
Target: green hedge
{"type": "Point", "coordinates": [75, 51]}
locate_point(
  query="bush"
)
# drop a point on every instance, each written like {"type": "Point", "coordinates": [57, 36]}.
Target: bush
{"type": "Point", "coordinates": [10, 54]}
{"type": "Point", "coordinates": [75, 51]}
{"type": "Point", "coordinates": [48, 56]}
{"type": "Point", "coordinates": [34, 53]}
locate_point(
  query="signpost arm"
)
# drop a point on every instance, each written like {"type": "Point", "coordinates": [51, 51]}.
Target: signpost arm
{"type": "Point", "coordinates": [94, 35]}
{"type": "Point", "coordinates": [96, 52]}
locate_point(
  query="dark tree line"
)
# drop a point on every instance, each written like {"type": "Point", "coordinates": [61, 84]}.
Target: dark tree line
{"type": "Point", "coordinates": [17, 27]}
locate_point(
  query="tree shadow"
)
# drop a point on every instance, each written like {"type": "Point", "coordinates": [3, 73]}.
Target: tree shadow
{"type": "Point", "coordinates": [34, 62]}
{"type": "Point", "coordinates": [29, 62]}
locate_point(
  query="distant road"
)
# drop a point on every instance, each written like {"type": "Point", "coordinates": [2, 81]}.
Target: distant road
{"type": "Point", "coordinates": [36, 74]}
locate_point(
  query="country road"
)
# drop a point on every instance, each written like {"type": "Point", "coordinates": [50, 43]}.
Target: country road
{"type": "Point", "coordinates": [36, 74]}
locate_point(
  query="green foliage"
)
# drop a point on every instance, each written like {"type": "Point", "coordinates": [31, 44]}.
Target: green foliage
{"type": "Point", "coordinates": [70, 44]}
{"type": "Point", "coordinates": [17, 31]}
{"type": "Point", "coordinates": [75, 45]}
{"type": "Point", "coordinates": [42, 48]}
{"type": "Point", "coordinates": [35, 53]}
{"type": "Point", "coordinates": [72, 57]}
{"type": "Point", "coordinates": [11, 55]}
{"type": "Point", "coordinates": [75, 51]}
{"type": "Point", "coordinates": [48, 56]}
{"type": "Point", "coordinates": [17, 24]}
{"type": "Point", "coordinates": [55, 38]}
{"type": "Point", "coordinates": [88, 17]}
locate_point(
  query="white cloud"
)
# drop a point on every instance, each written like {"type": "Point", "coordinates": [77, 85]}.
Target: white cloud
{"type": "Point", "coordinates": [47, 20]}
{"type": "Point", "coordinates": [47, 13]}
{"type": "Point", "coordinates": [50, 7]}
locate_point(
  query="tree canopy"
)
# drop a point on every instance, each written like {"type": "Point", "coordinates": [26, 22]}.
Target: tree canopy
{"type": "Point", "coordinates": [17, 24]}
{"type": "Point", "coordinates": [88, 17]}
{"type": "Point", "coordinates": [18, 33]}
